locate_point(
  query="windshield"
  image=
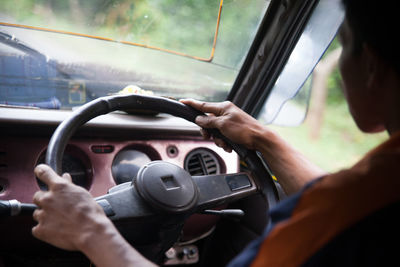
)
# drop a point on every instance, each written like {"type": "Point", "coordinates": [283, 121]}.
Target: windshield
{"type": "Point", "coordinates": [60, 54]}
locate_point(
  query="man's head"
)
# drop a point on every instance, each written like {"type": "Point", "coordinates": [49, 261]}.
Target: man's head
{"type": "Point", "coordinates": [375, 23]}
{"type": "Point", "coordinates": [369, 63]}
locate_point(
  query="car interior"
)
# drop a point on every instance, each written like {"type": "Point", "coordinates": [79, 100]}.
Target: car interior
{"type": "Point", "coordinates": [92, 87]}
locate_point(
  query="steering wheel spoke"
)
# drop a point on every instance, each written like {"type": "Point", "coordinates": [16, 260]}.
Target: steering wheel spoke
{"type": "Point", "coordinates": [215, 190]}
{"type": "Point", "coordinates": [124, 203]}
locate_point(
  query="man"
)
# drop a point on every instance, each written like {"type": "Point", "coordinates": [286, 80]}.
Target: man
{"type": "Point", "coordinates": [342, 219]}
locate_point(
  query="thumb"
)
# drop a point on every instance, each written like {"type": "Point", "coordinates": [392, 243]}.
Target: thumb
{"type": "Point", "coordinates": [46, 174]}
{"type": "Point", "coordinates": [207, 121]}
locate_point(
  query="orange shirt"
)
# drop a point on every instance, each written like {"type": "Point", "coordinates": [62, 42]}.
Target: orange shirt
{"type": "Point", "coordinates": [332, 205]}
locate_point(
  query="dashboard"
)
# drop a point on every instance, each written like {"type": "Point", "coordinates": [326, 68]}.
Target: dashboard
{"type": "Point", "coordinates": [105, 152]}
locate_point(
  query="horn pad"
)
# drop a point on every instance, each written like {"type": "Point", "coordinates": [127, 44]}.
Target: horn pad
{"type": "Point", "coordinates": [166, 187]}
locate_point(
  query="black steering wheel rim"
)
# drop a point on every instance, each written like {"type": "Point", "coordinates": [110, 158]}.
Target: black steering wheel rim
{"type": "Point", "coordinates": [59, 140]}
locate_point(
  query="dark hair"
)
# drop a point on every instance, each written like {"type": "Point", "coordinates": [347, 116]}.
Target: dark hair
{"type": "Point", "coordinates": [376, 23]}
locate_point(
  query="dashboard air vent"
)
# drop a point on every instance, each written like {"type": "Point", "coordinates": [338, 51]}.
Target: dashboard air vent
{"type": "Point", "coordinates": [202, 162]}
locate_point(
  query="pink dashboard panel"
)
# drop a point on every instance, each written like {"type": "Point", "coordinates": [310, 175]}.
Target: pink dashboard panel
{"type": "Point", "coordinates": [18, 157]}
{"type": "Point", "coordinates": [94, 157]}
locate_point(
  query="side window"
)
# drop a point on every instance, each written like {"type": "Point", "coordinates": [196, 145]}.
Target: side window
{"type": "Point", "coordinates": [328, 136]}
{"type": "Point", "coordinates": [325, 131]}
{"type": "Point", "coordinates": [287, 103]}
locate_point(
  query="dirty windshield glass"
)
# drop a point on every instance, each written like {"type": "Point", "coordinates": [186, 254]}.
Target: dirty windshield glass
{"type": "Point", "coordinates": [64, 53]}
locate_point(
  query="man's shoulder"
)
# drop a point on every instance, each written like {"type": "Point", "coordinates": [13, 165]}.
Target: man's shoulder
{"type": "Point", "coordinates": [370, 242]}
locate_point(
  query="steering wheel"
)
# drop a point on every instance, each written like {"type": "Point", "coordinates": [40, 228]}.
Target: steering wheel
{"type": "Point", "coordinates": [163, 195]}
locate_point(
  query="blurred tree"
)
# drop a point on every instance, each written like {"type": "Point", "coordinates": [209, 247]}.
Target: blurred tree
{"type": "Point", "coordinates": [319, 91]}
{"type": "Point", "coordinates": [76, 11]}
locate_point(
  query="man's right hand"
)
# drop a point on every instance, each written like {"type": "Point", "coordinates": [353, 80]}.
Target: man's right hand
{"type": "Point", "coordinates": [231, 121]}
{"type": "Point", "coordinates": [292, 169]}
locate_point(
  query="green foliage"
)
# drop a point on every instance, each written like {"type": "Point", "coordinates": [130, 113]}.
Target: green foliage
{"type": "Point", "coordinates": [186, 26]}
{"type": "Point", "coordinates": [333, 46]}
{"type": "Point", "coordinates": [341, 143]}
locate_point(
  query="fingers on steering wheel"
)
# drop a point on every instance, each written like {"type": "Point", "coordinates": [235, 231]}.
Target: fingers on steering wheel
{"type": "Point", "coordinates": [206, 135]}
{"type": "Point", "coordinates": [205, 107]}
{"type": "Point", "coordinates": [67, 177]}
{"type": "Point", "coordinates": [38, 198]}
{"type": "Point", "coordinates": [38, 233]}
{"type": "Point", "coordinates": [219, 142]}
{"type": "Point", "coordinates": [38, 214]}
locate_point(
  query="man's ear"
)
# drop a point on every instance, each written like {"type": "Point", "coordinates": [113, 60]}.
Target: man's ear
{"type": "Point", "coordinates": [375, 68]}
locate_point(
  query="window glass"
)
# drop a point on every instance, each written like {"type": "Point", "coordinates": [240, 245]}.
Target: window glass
{"type": "Point", "coordinates": [60, 54]}
{"type": "Point", "coordinates": [329, 136]}
{"type": "Point", "coordinates": [318, 33]}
